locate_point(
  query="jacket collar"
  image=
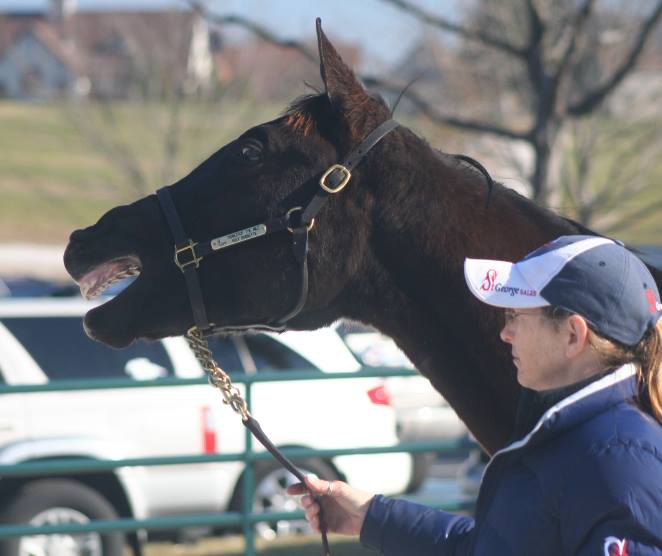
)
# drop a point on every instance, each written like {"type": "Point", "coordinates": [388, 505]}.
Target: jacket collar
{"type": "Point", "coordinates": [598, 396]}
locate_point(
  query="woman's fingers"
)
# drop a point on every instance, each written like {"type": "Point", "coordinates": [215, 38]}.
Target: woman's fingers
{"type": "Point", "coordinates": [307, 500]}
{"type": "Point", "coordinates": [312, 511]}
{"type": "Point", "coordinates": [317, 486]}
{"type": "Point", "coordinates": [296, 489]}
{"type": "Point", "coordinates": [313, 484]}
{"type": "Point", "coordinates": [312, 488]}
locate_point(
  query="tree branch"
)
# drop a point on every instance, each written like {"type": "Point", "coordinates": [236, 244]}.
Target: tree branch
{"type": "Point", "coordinates": [576, 28]}
{"type": "Point", "coordinates": [595, 97]}
{"type": "Point", "coordinates": [433, 114]}
{"type": "Point", "coordinates": [446, 25]}
{"type": "Point", "coordinates": [535, 67]}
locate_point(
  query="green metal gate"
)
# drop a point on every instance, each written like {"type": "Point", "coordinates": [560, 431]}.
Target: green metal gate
{"type": "Point", "coordinates": [246, 518]}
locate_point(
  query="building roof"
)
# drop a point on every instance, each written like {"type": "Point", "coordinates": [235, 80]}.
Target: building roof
{"type": "Point", "coordinates": [110, 45]}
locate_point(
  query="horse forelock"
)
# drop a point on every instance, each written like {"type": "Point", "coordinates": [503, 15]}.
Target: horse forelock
{"type": "Point", "coordinates": [302, 115]}
{"type": "Point", "coordinates": [360, 113]}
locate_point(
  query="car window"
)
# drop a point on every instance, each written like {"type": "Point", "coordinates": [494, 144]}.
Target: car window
{"type": "Point", "coordinates": [271, 355]}
{"type": "Point", "coordinates": [61, 348]}
{"type": "Point", "coordinates": [225, 353]}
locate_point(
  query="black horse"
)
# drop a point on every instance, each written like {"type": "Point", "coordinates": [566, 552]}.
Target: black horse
{"type": "Point", "coordinates": [387, 251]}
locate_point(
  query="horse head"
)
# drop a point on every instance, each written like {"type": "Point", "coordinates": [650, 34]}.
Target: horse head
{"type": "Point", "coordinates": [269, 170]}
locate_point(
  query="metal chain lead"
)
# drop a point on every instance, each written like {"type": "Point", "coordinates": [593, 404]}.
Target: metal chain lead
{"type": "Point", "coordinates": [217, 376]}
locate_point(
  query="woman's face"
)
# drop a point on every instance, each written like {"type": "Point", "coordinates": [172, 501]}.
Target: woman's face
{"type": "Point", "coordinates": [538, 349]}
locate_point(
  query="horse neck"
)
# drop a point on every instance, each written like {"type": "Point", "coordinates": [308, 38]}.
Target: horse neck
{"type": "Point", "coordinates": [431, 215]}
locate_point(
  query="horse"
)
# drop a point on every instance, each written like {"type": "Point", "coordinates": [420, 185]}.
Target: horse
{"type": "Point", "coordinates": [386, 251]}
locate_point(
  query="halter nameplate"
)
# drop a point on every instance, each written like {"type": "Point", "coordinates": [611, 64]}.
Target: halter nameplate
{"type": "Point", "coordinates": [238, 237]}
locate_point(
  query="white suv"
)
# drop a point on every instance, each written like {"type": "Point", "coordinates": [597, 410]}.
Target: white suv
{"type": "Point", "coordinates": [43, 340]}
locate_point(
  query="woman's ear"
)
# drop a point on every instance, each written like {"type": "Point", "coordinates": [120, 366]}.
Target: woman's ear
{"type": "Point", "coordinates": [576, 330]}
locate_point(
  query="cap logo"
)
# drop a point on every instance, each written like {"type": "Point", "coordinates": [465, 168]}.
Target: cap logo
{"type": "Point", "coordinates": [489, 280]}
{"type": "Point", "coordinates": [489, 284]}
{"type": "Point", "coordinates": [615, 547]}
{"type": "Point", "coordinates": [653, 304]}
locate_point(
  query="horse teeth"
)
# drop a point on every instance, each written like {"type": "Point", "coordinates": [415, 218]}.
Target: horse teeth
{"type": "Point", "coordinates": [98, 280]}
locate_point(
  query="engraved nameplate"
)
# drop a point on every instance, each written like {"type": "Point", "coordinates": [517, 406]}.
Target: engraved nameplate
{"type": "Point", "coordinates": [238, 237]}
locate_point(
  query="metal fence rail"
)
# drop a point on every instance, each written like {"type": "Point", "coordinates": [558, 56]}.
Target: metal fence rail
{"type": "Point", "coordinates": [247, 518]}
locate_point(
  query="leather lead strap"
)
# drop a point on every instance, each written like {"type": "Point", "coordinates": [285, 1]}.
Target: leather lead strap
{"type": "Point", "coordinates": [253, 426]}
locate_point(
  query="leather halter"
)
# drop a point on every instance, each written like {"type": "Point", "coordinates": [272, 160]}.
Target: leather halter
{"type": "Point", "coordinates": [189, 254]}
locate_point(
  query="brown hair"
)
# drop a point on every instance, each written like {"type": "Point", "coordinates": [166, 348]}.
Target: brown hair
{"type": "Point", "coordinates": [646, 356]}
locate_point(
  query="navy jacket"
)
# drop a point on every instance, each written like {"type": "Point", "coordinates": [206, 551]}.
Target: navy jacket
{"type": "Point", "coordinates": [586, 480]}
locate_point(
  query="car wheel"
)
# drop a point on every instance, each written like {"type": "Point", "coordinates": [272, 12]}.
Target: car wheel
{"type": "Point", "coordinates": [59, 502]}
{"type": "Point", "coordinates": [271, 482]}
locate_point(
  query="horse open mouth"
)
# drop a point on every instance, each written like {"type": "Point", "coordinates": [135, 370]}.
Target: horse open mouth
{"type": "Point", "coordinates": [101, 277]}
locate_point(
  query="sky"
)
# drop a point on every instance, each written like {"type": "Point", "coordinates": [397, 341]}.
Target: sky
{"type": "Point", "coordinates": [384, 33]}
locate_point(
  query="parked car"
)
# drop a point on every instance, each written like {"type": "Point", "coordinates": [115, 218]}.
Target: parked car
{"type": "Point", "coordinates": [421, 412]}
{"type": "Point", "coordinates": [36, 287]}
{"type": "Point", "coordinates": [42, 340]}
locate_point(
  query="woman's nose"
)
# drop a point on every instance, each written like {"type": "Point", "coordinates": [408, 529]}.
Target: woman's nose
{"type": "Point", "coordinates": [506, 334]}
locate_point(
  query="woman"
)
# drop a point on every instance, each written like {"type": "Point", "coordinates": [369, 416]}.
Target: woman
{"type": "Point", "coordinates": [583, 474]}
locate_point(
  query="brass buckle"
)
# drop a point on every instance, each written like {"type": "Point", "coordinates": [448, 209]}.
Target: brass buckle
{"type": "Point", "coordinates": [341, 185]}
{"type": "Point", "coordinates": [190, 246]}
{"type": "Point", "coordinates": [294, 209]}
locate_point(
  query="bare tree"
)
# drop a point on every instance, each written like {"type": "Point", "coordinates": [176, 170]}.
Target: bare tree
{"type": "Point", "coordinates": [548, 45]}
{"type": "Point", "coordinates": [610, 174]}
{"type": "Point", "coordinates": [139, 72]}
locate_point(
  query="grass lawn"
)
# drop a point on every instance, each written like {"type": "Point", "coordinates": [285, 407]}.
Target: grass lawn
{"type": "Point", "coordinates": [63, 166]}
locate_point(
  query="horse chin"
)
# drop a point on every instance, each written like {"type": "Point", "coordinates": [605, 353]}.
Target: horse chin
{"type": "Point", "coordinates": [113, 322]}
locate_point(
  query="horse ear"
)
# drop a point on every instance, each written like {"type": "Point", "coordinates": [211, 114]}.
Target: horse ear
{"type": "Point", "coordinates": [342, 87]}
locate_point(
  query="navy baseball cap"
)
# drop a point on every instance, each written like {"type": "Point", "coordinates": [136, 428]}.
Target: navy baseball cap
{"type": "Point", "coordinates": [594, 277]}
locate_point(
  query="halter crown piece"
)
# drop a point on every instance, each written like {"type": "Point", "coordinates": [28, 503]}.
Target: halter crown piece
{"type": "Point", "coordinates": [188, 254]}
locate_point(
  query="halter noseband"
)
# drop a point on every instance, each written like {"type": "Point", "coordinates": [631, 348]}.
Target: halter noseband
{"type": "Point", "coordinates": [188, 254]}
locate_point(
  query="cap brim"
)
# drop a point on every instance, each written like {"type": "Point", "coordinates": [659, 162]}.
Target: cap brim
{"type": "Point", "coordinates": [499, 283]}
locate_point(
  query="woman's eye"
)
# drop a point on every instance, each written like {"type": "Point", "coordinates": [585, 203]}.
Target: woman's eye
{"type": "Point", "coordinates": [251, 153]}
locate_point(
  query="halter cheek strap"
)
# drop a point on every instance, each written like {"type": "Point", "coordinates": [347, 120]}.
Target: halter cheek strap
{"type": "Point", "coordinates": [188, 254]}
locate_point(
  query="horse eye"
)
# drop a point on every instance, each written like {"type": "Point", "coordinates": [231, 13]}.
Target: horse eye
{"type": "Point", "coordinates": [251, 153]}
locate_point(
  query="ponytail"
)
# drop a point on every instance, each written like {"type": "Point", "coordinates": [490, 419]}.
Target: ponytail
{"type": "Point", "coordinates": [647, 356]}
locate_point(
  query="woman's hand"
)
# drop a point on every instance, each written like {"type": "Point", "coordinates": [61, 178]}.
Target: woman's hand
{"type": "Point", "coordinates": [344, 507]}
